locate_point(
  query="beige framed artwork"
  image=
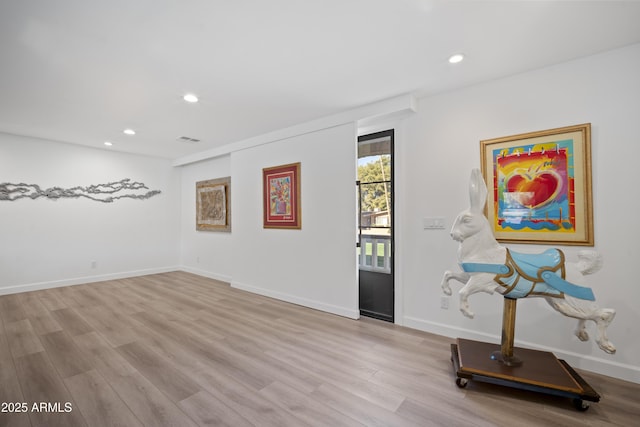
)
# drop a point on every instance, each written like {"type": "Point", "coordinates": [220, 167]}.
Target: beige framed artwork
{"type": "Point", "coordinates": [213, 205]}
{"type": "Point", "coordinates": [540, 186]}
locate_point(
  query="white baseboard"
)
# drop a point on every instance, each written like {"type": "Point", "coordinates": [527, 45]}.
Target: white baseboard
{"type": "Point", "coordinates": [329, 308]}
{"type": "Point", "coordinates": [82, 280]}
{"type": "Point", "coordinates": [208, 274]}
{"type": "Point", "coordinates": [447, 330]}
{"type": "Point", "coordinates": [580, 361]}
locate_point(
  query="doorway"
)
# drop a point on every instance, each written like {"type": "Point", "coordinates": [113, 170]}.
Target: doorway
{"type": "Point", "coordinates": [375, 225]}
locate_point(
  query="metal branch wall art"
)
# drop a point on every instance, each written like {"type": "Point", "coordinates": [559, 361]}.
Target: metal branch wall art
{"type": "Point", "coordinates": [105, 193]}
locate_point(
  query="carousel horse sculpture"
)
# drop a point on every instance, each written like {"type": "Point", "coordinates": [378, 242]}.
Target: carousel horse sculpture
{"type": "Point", "coordinates": [488, 267]}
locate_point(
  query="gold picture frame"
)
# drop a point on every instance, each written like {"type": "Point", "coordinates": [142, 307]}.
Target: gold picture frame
{"type": "Point", "coordinates": [539, 186]}
{"type": "Point", "coordinates": [213, 205]}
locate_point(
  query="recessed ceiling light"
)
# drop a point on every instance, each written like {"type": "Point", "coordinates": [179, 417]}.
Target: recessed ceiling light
{"type": "Point", "coordinates": [129, 131]}
{"type": "Point", "coordinates": [108, 144]}
{"type": "Point", "coordinates": [190, 98]}
{"type": "Point", "coordinates": [454, 59]}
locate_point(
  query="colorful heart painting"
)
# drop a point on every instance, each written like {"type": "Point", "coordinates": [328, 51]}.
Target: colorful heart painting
{"type": "Point", "coordinates": [536, 189]}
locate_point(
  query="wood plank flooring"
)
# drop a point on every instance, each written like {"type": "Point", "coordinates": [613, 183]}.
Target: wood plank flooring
{"type": "Point", "coordinates": [177, 349]}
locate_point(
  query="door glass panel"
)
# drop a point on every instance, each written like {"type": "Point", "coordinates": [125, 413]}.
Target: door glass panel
{"type": "Point", "coordinates": [374, 177]}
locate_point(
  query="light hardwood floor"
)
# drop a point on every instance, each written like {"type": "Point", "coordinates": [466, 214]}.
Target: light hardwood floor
{"type": "Point", "coordinates": [177, 349]}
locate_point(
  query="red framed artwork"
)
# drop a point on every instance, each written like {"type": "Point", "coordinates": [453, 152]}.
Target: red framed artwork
{"type": "Point", "coordinates": [281, 196]}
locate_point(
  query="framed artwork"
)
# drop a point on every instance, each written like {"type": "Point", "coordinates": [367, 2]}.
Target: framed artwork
{"type": "Point", "coordinates": [281, 196]}
{"type": "Point", "coordinates": [213, 205]}
{"type": "Point", "coordinates": [540, 186]}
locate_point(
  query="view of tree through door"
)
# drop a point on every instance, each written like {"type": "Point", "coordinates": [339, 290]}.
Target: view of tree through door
{"type": "Point", "coordinates": [375, 225]}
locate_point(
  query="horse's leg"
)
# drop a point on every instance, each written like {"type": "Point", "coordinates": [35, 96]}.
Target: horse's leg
{"type": "Point", "coordinates": [587, 310]}
{"type": "Point", "coordinates": [460, 276]}
{"type": "Point", "coordinates": [581, 330]}
{"type": "Point", "coordinates": [478, 283]}
{"type": "Point", "coordinates": [604, 318]}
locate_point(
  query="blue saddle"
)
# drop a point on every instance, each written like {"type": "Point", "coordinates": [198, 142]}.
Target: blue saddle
{"type": "Point", "coordinates": [532, 274]}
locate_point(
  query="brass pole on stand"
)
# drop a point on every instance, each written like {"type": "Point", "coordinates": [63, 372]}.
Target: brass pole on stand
{"type": "Point", "coordinates": [505, 355]}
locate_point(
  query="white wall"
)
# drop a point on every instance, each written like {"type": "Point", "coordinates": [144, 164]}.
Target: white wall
{"type": "Point", "coordinates": [204, 252]}
{"type": "Point", "coordinates": [443, 146]}
{"type": "Point", "coordinates": [316, 265]}
{"type": "Point", "coordinates": [47, 243]}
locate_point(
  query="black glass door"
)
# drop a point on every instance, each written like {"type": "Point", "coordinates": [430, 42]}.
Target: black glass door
{"type": "Point", "coordinates": [375, 225]}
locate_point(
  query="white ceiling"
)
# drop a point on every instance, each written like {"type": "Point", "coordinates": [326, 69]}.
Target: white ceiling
{"type": "Point", "coordinates": [82, 71]}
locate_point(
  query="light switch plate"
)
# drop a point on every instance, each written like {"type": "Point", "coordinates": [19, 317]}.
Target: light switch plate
{"type": "Point", "coordinates": [433, 223]}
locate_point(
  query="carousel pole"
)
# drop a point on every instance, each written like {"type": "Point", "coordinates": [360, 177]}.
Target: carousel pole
{"type": "Point", "coordinates": [508, 333]}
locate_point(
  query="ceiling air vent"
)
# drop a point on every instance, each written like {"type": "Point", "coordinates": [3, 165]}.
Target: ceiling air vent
{"type": "Point", "coordinates": [187, 139]}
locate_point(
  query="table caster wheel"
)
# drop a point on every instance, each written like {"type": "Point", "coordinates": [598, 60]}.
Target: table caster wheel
{"type": "Point", "coordinates": [580, 405]}
{"type": "Point", "coordinates": [462, 382]}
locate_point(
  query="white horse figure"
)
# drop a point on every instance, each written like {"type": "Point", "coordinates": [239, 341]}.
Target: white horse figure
{"type": "Point", "coordinates": [490, 267]}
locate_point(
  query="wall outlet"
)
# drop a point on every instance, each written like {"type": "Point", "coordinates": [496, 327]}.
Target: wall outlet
{"type": "Point", "coordinates": [444, 303]}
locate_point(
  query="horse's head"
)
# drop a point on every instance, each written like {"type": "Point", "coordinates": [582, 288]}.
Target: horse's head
{"type": "Point", "coordinates": [472, 220]}
{"type": "Point", "coordinates": [467, 224]}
